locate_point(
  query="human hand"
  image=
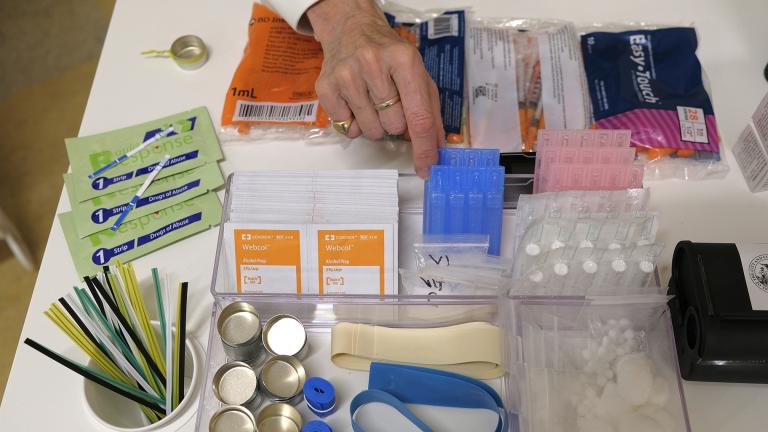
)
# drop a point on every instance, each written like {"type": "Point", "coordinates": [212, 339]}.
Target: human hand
{"type": "Point", "coordinates": [367, 63]}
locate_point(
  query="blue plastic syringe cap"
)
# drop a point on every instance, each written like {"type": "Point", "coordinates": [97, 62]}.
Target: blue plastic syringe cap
{"type": "Point", "coordinates": [316, 426]}
{"type": "Point", "coordinates": [320, 395]}
{"type": "Point", "coordinates": [496, 179]}
{"type": "Point", "coordinates": [450, 156]}
{"type": "Point", "coordinates": [475, 180]}
{"type": "Point", "coordinates": [489, 158]}
{"type": "Point", "coordinates": [438, 178]}
{"type": "Point", "coordinates": [458, 179]}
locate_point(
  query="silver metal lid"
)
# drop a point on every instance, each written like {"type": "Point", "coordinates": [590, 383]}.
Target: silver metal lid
{"type": "Point", "coordinates": [282, 378]}
{"type": "Point", "coordinates": [189, 52]}
{"type": "Point", "coordinates": [239, 324]}
{"type": "Point", "coordinates": [284, 335]}
{"type": "Point", "coordinates": [232, 419]}
{"type": "Point", "coordinates": [235, 383]}
{"type": "Point", "coordinates": [279, 417]}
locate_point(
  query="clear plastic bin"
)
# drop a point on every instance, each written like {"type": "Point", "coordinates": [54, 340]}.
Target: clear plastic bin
{"type": "Point", "coordinates": [540, 334]}
{"type": "Point", "coordinates": [320, 313]}
{"type": "Point", "coordinates": [553, 374]}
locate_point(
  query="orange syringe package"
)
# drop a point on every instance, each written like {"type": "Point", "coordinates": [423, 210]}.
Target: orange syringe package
{"type": "Point", "coordinates": [272, 93]}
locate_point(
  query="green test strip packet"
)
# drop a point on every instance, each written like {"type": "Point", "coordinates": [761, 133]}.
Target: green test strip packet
{"type": "Point", "coordinates": [140, 236]}
{"type": "Point", "coordinates": [97, 214]}
{"type": "Point", "coordinates": [193, 143]}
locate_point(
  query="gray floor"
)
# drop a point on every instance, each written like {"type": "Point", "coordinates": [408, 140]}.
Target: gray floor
{"type": "Point", "coordinates": [48, 55]}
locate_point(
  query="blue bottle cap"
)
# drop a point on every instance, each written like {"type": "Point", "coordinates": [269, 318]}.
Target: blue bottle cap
{"type": "Point", "coordinates": [320, 396]}
{"type": "Point", "coordinates": [316, 426]}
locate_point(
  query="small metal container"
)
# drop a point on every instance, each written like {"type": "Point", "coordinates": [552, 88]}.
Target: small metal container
{"type": "Point", "coordinates": [285, 335]}
{"type": "Point", "coordinates": [232, 419]}
{"type": "Point", "coordinates": [189, 52]}
{"type": "Point", "coordinates": [239, 327]}
{"type": "Point", "coordinates": [279, 417]}
{"type": "Point", "coordinates": [282, 379]}
{"type": "Point", "coordinates": [236, 383]}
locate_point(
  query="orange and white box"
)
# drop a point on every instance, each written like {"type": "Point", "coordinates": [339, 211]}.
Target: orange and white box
{"type": "Point", "coordinates": [354, 259]}
{"type": "Point", "coordinates": [265, 258]}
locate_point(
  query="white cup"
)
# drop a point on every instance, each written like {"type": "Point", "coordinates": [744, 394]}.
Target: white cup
{"type": "Point", "coordinates": [120, 414]}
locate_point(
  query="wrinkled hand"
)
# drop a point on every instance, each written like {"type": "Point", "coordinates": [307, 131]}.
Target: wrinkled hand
{"type": "Point", "coordinates": [367, 63]}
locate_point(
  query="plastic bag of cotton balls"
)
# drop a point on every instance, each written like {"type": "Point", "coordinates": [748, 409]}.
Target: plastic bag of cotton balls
{"type": "Point", "coordinates": [626, 394]}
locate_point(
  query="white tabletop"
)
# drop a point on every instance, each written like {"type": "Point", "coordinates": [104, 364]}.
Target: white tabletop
{"type": "Point", "coordinates": [128, 89]}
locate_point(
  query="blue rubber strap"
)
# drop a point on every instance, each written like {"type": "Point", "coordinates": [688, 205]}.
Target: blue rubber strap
{"type": "Point", "coordinates": [424, 386]}
{"type": "Point", "coordinates": [319, 394]}
{"type": "Point", "coordinates": [371, 396]}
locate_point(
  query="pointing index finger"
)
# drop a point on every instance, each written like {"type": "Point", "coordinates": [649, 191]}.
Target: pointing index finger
{"type": "Point", "coordinates": [413, 84]}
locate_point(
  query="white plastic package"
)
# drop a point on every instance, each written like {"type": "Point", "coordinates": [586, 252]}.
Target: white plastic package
{"type": "Point", "coordinates": [523, 75]}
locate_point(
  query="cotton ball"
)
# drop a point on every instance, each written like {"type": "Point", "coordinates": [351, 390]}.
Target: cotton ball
{"type": "Point", "coordinates": [636, 422]}
{"type": "Point", "coordinates": [659, 391]}
{"type": "Point", "coordinates": [619, 265]}
{"type": "Point", "coordinates": [612, 406]}
{"type": "Point", "coordinates": [624, 323]}
{"type": "Point", "coordinates": [634, 378]}
{"type": "Point", "coordinates": [536, 276]}
{"type": "Point", "coordinates": [662, 416]}
{"type": "Point", "coordinates": [589, 266]}
{"type": "Point", "coordinates": [594, 424]}
{"type": "Point", "coordinates": [561, 269]}
{"type": "Point", "coordinates": [532, 249]}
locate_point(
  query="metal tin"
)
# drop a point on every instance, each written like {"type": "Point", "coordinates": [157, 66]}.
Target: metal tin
{"type": "Point", "coordinates": [279, 417]}
{"type": "Point", "coordinates": [285, 335]}
{"type": "Point", "coordinates": [189, 52]}
{"type": "Point", "coordinates": [239, 327]}
{"type": "Point", "coordinates": [282, 379]}
{"type": "Point", "coordinates": [236, 383]}
{"type": "Point", "coordinates": [232, 419]}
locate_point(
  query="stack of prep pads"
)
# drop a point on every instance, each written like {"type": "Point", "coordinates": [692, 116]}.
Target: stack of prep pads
{"type": "Point", "coordinates": [326, 232]}
{"type": "Point", "coordinates": [178, 203]}
{"type": "Point", "coordinates": [465, 195]}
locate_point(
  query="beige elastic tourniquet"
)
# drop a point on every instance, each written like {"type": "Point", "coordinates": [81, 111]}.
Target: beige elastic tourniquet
{"type": "Point", "coordinates": [472, 349]}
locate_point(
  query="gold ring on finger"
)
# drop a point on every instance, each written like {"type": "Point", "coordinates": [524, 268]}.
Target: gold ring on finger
{"type": "Point", "coordinates": [387, 103]}
{"type": "Point", "coordinates": [343, 126]}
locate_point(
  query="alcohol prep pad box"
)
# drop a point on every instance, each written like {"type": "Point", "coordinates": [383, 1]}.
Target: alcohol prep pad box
{"type": "Point", "coordinates": [312, 232]}
{"type": "Point", "coordinates": [267, 258]}
{"type": "Point", "coordinates": [354, 259]}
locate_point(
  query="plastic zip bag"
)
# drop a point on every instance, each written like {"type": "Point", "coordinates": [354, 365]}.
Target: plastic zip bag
{"type": "Point", "coordinates": [527, 66]}
{"type": "Point", "coordinates": [272, 94]}
{"type": "Point", "coordinates": [449, 249]}
{"type": "Point", "coordinates": [443, 282]}
{"type": "Point", "coordinates": [440, 38]}
{"type": "Point", "coordinates": [649, 80]}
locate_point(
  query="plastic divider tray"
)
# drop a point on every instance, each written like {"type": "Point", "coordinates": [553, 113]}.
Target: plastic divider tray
{"type": "Point", "coordinates": [532, 329]}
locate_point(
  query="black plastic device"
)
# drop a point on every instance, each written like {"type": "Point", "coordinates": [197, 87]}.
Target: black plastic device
{"type": "Point", "coordinates": [718, 333]}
